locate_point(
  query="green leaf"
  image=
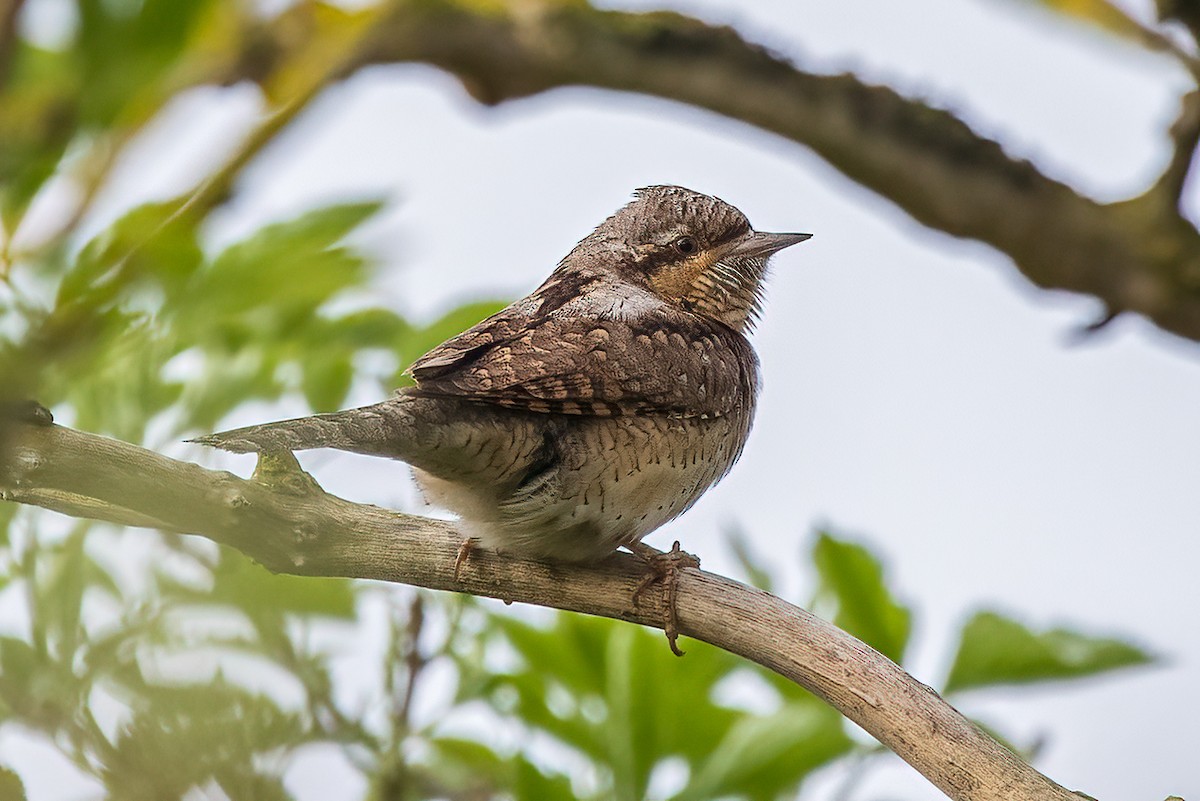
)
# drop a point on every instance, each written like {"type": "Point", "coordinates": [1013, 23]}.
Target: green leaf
{"type": "Point", "coordinates": [102, 348]}
{"type": "Point", "coordinates": [994, 649]}
{"type": "Point", "coordinates": [1028, 753]}
{"type": "Point", "coordinates": [8, 511]}
{"type": "Point", "coordinates": [763, 757]}
{"type": "Point", "coordinates": [38, 117]}
{"type": "Point", "coordinates": [616, 694]}
{"type": "Point", "coordinates": [452, 323]}
{"type": "Point", "coordinates": [526, 696]}
{"type": "Point", "coordinates": [248, 784]}
{"type": "Point", "coordinates": [756, 572]}
{"type": "Point", "coordinates": [113, 379]}
{"type": "Point", "coordinates": [660, 705]}
{"type": "Point", "coordinates": [259, 305]}
{"type": "Point", "coordinates": [39, 691]}
{"type": "Point", "coordinates": [326, 380]}
{"type": "Point", "coordinates": [241, 584]}
{"type": "Point", "coordinates": [11, 787]}
{"type": "Point", "coordinates": [59, 596]}
{"type": "Point", "coordinates": [112, 652]}
{"type": "Point", "coordinates": [1101, 14]}
{"type": "Point", "coordinates": [150, 244]}
{"type": "Point", "coordinates": [272, 282]}
{"type": "Point", "coordinates": [181, 737]}
{"type": "Point", "coordinates": [573, 648]}
{"type": "Point", "coordinates": [370, 328]}
{"type": "Point", "coordinates": [530, 782]}
{"type": "Point", "coordinates": [125, 51]}
{"type": "Point", "coordinates": [851, 580]}
{"type": "Point", "coordinates": [467, 767]}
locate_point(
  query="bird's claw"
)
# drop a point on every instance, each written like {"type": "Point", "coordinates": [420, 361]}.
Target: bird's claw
{"type": "Point", "coordinates": [464, 553]}
{"type": "Point", "coordinates": [664, 568]}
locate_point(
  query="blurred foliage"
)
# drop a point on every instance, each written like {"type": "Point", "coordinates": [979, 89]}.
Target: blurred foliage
{"type": "Point", "coordinates": [1102, 14]}
{"type": "Point", "coordinates": [996, 650]}
{"type": "Point", "coordinates": [850, 579]}
{"type": "Point", "coordinates": [162, 666]}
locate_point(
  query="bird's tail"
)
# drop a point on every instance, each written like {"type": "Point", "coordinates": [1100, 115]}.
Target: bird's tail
{"type": "Point", "coordinates": [450, 438]}
{"type": "Point", "coordinates": [368, 429]}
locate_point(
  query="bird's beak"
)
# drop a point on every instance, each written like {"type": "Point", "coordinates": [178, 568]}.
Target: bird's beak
{"type": "Point", "coordinates": [757, 244]}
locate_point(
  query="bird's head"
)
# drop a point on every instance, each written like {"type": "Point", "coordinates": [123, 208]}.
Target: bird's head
{"type": "Point", "coordinates": [692, 250]}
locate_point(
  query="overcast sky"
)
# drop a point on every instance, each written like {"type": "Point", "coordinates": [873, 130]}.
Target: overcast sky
{"type": "Point", "coordinates": [919, 394]}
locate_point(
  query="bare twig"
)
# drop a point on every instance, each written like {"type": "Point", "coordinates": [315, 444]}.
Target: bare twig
{"type": "Point", "coordinates": [1155, 39]}
{"type": "Point", "coordinates": [414, 660]}
{"type": "Point", "coordinates": [1136, 256]}
{"type": "Point", "coordinates": [1185, 12]}
{"type": "Point", "coordinates": [1185, 135]}
{"type": "Point", "coordinates": [1141, 255]}
{"type": "Point", "coordinates": [286, 522]}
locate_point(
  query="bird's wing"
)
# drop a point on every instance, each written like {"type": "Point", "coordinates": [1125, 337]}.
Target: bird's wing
{"type": "Point", "coordinates": [657, 360]}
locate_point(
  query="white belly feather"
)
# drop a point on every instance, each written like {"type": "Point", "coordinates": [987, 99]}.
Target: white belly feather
{"type": "Point", "coordinates": [648, 471]}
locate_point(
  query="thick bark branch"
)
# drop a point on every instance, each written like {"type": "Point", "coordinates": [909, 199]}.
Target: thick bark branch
{"type": "Point", "coordinates": [284, 520]}
{"type": "Point", "coordinates": [1185, 135]}
{"type": "Point", "coordinates": [1139, 255]}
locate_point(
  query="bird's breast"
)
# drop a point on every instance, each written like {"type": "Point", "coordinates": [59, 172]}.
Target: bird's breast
{"type": "Point", "coordinates": [615, 481]}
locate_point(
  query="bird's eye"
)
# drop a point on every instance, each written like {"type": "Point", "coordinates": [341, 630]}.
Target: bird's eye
{"type": "Point", "coordinates": [685, 245]}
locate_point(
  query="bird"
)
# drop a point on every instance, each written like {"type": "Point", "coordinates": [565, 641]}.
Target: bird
{"type": "Point", "coordinates": [590, 412]}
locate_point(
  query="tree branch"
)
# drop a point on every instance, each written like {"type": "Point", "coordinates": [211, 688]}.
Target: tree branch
{"type": "Point", "coordinates": [9, 10]}
{"type": "Point", "coordinates": [1185, 12]}
{"type": "Point", "coordinates": [285, 521]}
{"type": "Point", "coordinates": [1139, 255]}
{"type": "Point", "coordinates": [1185, 136]}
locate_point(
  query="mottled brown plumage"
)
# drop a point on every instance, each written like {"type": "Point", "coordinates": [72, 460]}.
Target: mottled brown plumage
{"type": "Point", "coordinates": [587, 414]}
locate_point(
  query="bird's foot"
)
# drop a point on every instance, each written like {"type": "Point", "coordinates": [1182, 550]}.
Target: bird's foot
{"type": "Point", "coordinates": [464, 554]}
{"type": "Point", "coordinates": [26, 411]}
{"type": "Point", "coordinates": [664, 569]}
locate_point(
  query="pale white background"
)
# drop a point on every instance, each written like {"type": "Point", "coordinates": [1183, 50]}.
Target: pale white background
{"type": "Point", "coordinates": [919, 393]}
